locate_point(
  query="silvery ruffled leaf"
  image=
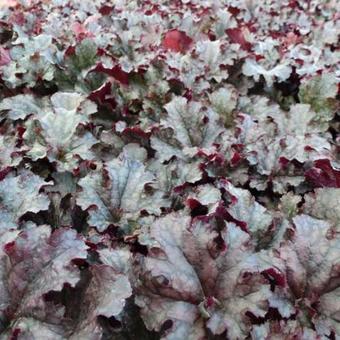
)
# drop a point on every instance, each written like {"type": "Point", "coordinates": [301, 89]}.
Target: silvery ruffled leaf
{"type": "Point", "coordinates": [37, 262]}
{"type": "Point", "coordinates": [118, 194]}
{"type": "Point", "coordinates": [20, 106]}
{"type": "Point", "coordinates": [19, 195]}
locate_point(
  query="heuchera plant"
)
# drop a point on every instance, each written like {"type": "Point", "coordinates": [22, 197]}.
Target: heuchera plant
{"type": "Point", "coordinates": [169, 169]}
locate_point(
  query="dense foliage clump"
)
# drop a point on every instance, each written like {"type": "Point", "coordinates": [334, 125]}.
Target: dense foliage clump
{"type": "Point", "coordinates": [169, 169]}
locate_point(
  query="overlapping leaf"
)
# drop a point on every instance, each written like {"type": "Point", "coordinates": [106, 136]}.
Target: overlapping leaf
{"type": "Point", "coordinates": [53, 133]}
{"type": "Point", "coordinates": [118, 194]}
{"type": "Point", "coordinates": [36, 262]}
{"type": "Point", "coordinates": [183, 279]}
{"type": "Point", "coordinates": [19, 195]}
{"type": "Point", "coordinates": [312, 270]}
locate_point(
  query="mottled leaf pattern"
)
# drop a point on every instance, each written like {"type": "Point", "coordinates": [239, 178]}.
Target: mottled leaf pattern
{"type": "Point", "coordinates": [169, 170]}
